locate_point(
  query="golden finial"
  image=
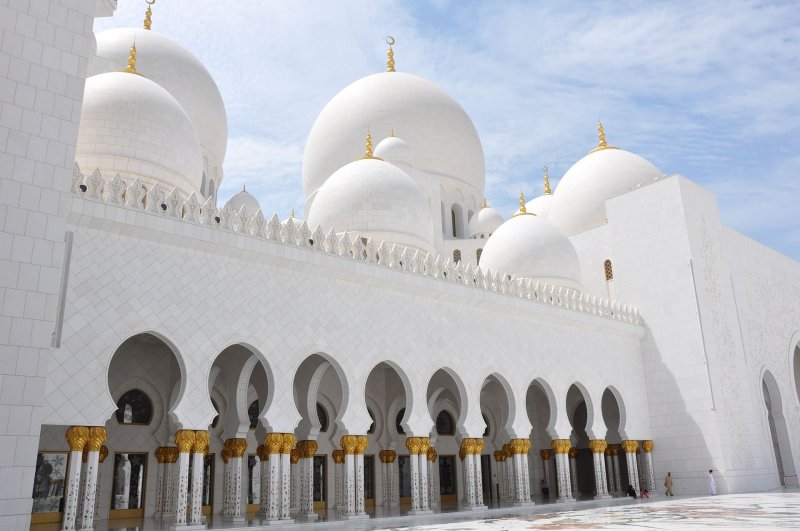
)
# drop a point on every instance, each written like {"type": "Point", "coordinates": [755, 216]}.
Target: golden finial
{"type": "Point", "coordinates": [131, 68]}
{"type": "Point", "coordinates": [601, 136]}
{"type": "Point", "coordinates": [547, 181]}
{"type": "Point", "coordinates": [390, 54]}
{"type": "Point", "coordinates": [148, 15]}
{"type": "Point", "coordinates": [368, 149]}
{"type": "Point", "coordinates": [485, 203]}
{"type": "Point", "coordinates": [292, 215]}
{"type": "Point", "coordinates": [522, 209]}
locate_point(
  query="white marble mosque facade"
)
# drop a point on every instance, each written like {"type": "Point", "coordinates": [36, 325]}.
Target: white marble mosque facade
{"type": "Point", "coordinates": [688, 353]}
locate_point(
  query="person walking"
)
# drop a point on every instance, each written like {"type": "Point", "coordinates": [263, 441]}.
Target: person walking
{"type": "Point", "coordinates": [712, 483]}
{"type": "Point", "coordinates": [668, 484]}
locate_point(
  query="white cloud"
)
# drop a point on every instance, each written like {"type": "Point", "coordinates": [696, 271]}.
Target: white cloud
{"type": "Point", "coordinates": [706, 89]}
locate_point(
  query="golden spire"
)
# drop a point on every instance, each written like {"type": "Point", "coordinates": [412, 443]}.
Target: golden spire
{"type": "Point", "coordinates": [547, 181]}
{"type": "Point", "coordinates": [390, 54]}
{"type": "Point", "coordinates": [368, 149]}
{"type": "Point", "coordinates": [292, 215]}
{"type": "Point", "coordinates": [522, 209]}
{"type": "Point", "coordinates": [131, 68]}
{"type": "Point", "coordinates": [148, 15]}
{"type": "Point", "coordinates": [485, 203]}
{"type": "Point", "coordinates": [601, 137]}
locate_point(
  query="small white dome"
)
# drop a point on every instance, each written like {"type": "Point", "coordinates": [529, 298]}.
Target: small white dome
{"type": "Point", "coordinates": [293, 219]}
{"type": "Point", "coordinates": [579, 202]}
{"type": "Point", "coordinates": [441, 135]}
{"type": "Point", "coordinates": [132, 126]}
{"type": "Point", "coordinates": [244, 199]}
{"type": "Point", "coordinates": [485, 222]}
{"type": "Point", "coordinates": [377, 200]}
{"type": "Point", "coordinates": [540, 205]}
{"type": "Point", "coordinates": [527, 246]}
{"type": "Point", "coordinates": [176, 69]}
{"type": "Point", "coordinates": [395, 150]}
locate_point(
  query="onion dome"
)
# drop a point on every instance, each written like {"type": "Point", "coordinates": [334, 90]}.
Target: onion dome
{"type": "Point", "coordinates": [579, 202]}
{"type": "Point", "coordinates": [170, 65]}
{"type": "Point", "coordinates": [133, 126]}
{"type": "Point", "coordinates": [396, 151]}
{"type": "Point", "coordinates": [377, 200]}
{"type": "Point", "coordinates": [485, 222]}
{"type": "Point", "coordinates": [528, 246]}
{"type": "Point", "coordinates": [244, 199]}
{"type": "Point", "coordinates": [440, 134]}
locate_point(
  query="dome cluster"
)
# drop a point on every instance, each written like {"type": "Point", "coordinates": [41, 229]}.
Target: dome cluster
{"type": "Point", "coordinates": [160, 118]}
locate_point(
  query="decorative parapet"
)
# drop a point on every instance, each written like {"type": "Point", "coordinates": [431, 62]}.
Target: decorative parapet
{"type": "Point", "coordinates": [348, 246]}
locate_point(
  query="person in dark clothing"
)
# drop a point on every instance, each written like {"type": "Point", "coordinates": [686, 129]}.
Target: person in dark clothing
{"type": "Point", "coordinates": [631, 491]}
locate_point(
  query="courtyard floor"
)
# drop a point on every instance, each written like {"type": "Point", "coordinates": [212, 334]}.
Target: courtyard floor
{"type": "Point", "coordinates": [769, 510]}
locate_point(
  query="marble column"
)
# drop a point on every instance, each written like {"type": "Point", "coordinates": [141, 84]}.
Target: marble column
{"type": "Point", "coordinates": [294, 460]}
{"type": "Point", "coordinates": [433, 478]}
{"type": "Point", "coordinates": [97, 436]}
{"type": "Point", "coordinates": [101, 459]}
{"type": "Point", "coordinates": [561, 448]}
{"type": "Point", "coordinates": [615, 462]}
{"type": "Point", "coordinates": [350, 444]}
{"type": "Point", "coordinates": [273, 442]}
{"type": "Point", "coordinates": [171, 454]}
{"type": "Point", "coordinates": [598, 448]}
{"type": "Point", "coordinates": [508, 473]}
{"type": "Point", "coordinates": [413, 445]}
{"type": "Point", "coordinates": [361, 447]}
{"type": "Point", "coordinates": [650, 474]}
{"type": "Point", "coordinates": [184, 440]}
{"type": "Point", "coordinates": [573, 471]}
{"type": "Point", "coordinates": [160, 483]}
{"type": "Point", "coordinates": [82, 492]}
{"type": "Point", "coordinates": [520, 492]}
{"type": "Point", "coordinates": [546, 467]}
{"type": "Point", "coordinates": [462, 455]}
{"type": "Point", "coordinates": [388, 458]}
{"type": "Point", "coordinates": [338, 464]}
{"type": "Point", "coordinates": [630, 448]}
{"type": "Point", "coordinates": [477, 449]}
{"type": "Point", "coordinates": [307, 451]}
{"type": "Point", "coordinates": [233, 510]}
{"type": "Point", "coordinates": [199, 450]}
{"type": "Point", "coordinates": [472, 448]}
{"type": "Point", "coordinates": [499, 463]}
{"type": "Point", "coordinates": [424, 491]}
{"type": "Point", "coordinates": [609, 471]}
{"type": "Point", "coordinates": [77, 437]}
{"type": "Point", "coordinates": [263, 463]}
{"type": "Point", "coordinates": [286, 487]}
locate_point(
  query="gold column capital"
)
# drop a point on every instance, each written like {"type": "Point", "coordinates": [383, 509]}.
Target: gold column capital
{"type": "Point", "coordinates": [519, 446]}
{"type": "Point", "coordinates": [499, 456]}
{"type": "Point", "coordinates": [225, 454]}
{"type": "Point", "coordinates": [477, 446]}
{"type": "Point", "coordinates": [413, 445]}
{"type": "Point", "coordinates": [288, 443]}
{"type": "Point", "coordinates": [159, 453]}
{"type": "Point", "coordinates": [103, 453]}
{"type": "Point", "coordinates": [294, 456]}
{"type": "Point", "coordinates": [262, 452]}
{"type": "Point", "coordinates": [432, 454]}
{"type": "Point", "coordinates": [77, 437]}
{"type": "Point", "coordinates": [307, 448]}
{"type": "Point", "coordinates": [273, 442]}
{"type": "Point", "coordinates": [338, 456]}
{"type": "Point", "coordinates": [96, 439]}
{"type": "Point", "coordinates": [361, 444]}
{"type": "Point", "coordinates": [630, 446]}
{"type": "Point", "coordinates": [545, 453]}
{"type": "Point", "coordinates": [598, 446]}
{"type": "Point", "coordinates": [184, 440]}
{"type": "Point", "coordinates": [560, 446]}
{"type": "Point", "coordinates": [387, 456]}
{"type": "Point", "coordinates": [349, 444]}
{"type": "Point", "coordinates": [236, 447]}
{"type": "Point", "coordinates": [201, 442]}
{"type": "Point", "coordinates": [647, 446]}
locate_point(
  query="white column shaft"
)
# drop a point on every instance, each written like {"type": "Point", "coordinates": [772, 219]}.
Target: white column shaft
{"type": "Point", "coordinates": [339, 471]}
{"type": "Point", "coordinates": [307, 494]}
{"type": "Point", "coordinates": [359, 471]}
{"type": "Point", "coordinates": [286, 487]}
{"type": "Point", "coordinates": [617, 478]}
{"type": "Point", "coordinates": [73, 491]}
{"type": "Point", "coordinates": [651, 475]}
{"type": "Point", "coordinates": [424, 500]}
{"type": "Point", "coordinates": [415, 494]}
{"type": "Point", "coordinates": [573, 476]}
{"type": "Point", "coordinates": [633, 472]}
{"type": "Point", "coordinates": [160, 487]}
{"type": "Point", "coordinates": [182, 490]}
{"type": "Point", "coordinates": [275, 487]}
{"type": "Point", "coordinates": [89, 490]}
{"type": "Point", "coordinates": [196, 503]}
{"type": "Point", "coordinates": [264, 509]}
{"type": "Point", "coordinates": [349, 477]}
{"type": "Point", "coordinates": [564, 483]}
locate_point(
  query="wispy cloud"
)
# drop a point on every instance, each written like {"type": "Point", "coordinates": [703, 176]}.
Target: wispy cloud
{"type": "Point", "coordinates": [707, 89]}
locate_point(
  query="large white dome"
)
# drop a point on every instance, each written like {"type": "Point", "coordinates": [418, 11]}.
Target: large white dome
{"type": "Point", "coordinates": [132, 126]}
{"type": "Point", "coordinates": [377, 200]}
{"type": "Point", "coordinates": [527, 246]}
{"type": "Point", "coordinates": [173, 67]}
{"type": "Point", "coordinates": [440, 134]}
{"type": "Point", "coordinates": [579, 202]}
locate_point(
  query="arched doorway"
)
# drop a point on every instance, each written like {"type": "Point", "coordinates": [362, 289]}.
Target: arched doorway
{"type": "Point", "coordinates": [386, 396]}
{"type": "Point", "coordinates": [779, 434]}
{"type": "Point", "coordinates": [540, 408]}
{"type": "Point", "coordinates": [495, 407]}
{"type": "Point", "coordinates": [319, 394]}
{"type": "Point", "coordinates": [578, 414]}
{"type": "Point", "coordinates": [613, 411]}
{"type": "Point", "coordinates": [445, 394]}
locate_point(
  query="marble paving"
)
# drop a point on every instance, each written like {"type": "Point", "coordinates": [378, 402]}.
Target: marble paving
{"type": "Point", "coordinates": [773, 510]}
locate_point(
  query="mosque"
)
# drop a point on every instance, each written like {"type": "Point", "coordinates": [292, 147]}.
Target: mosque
{"type": "Point", "coordinates": [400, 347]}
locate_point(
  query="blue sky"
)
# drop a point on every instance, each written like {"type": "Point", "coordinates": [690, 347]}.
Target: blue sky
{"type": "Point", "coordinates": [707, 89]}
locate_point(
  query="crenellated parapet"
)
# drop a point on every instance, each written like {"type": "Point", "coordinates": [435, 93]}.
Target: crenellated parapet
{"type": "Point", "coordinates": [346, 245]}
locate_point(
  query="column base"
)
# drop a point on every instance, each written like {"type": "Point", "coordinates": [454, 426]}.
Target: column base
{"type": "Point", "coordinates": [307, 517]}
{"type": "Point", "coordinates": [187, 527]}
{"type": "Point", "coordinates": [363, 516]}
